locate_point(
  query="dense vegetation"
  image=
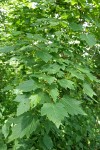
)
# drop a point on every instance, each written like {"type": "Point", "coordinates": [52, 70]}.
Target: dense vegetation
{"type": "Point", "coordinates": [49, 75]}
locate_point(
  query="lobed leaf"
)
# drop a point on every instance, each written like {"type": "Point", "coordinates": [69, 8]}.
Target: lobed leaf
{"type": "Point", "coordinates": [54, 94]}
{"type": "Point", "coordinates": [88, 90]}
{"type": "Point", "coordinates": [89, 38]}
{"type": "Point", "coordinates": [66, 83]}
{"type": "Point", "coordinates": [27, 86]}
{"type": "Point", "coordinates": [72, 106]}
{"type": "Point", "coordinates": [47, 141]}
{"type": "Point", "coordinates": [24, 124]}
{"type": "Point", "coordinates": [54, 112]}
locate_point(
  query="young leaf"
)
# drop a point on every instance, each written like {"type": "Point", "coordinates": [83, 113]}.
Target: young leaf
{"type": "Point", "coordinates": [34, 100]}
{"type": "Point", "coordinates": [54, 112]}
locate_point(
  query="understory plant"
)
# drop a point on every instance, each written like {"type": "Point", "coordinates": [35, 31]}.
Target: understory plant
{"type": "Point", "coordinates": [49, 98]}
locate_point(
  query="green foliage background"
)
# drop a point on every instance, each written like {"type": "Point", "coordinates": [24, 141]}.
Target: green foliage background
{"type": "Point", "coordinates": [49, 75]}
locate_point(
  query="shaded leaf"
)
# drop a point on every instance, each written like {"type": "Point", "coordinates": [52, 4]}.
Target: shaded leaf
{"type": "Point", "coordinates": [3, 146]}
{"type": "Point", "coordinates": [48, 141]}
{"type": "Point", "coordinates": [24, 124]}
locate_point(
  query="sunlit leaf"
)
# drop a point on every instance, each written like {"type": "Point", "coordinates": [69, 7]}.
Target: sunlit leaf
{"type": "Point", "coordinates": [34, 100]}
{"type": "Point", "coordinates": [54, 94]}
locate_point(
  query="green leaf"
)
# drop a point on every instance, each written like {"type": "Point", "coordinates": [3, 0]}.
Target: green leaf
{"type": "Point", "coordinates": [92, 77]}
{"type": "Point", "coordinates": [6, 49]}
{"type": "Point", "coordinates": [24, 104]}
{"type": "Point", "coordinates": [66, 84]}
{"type": "Point", "coordinates": [6, 127]}
{"type": "Point", "coordinates": [52, 68]}
{"type": "Point", "coordinates": [26, 86]}
{"type": "Point", "coordinates": [44, 55]}
{"type": "Point", "coordinates": [26, 48]}
{"type": "Point", "coordinates": [89, 38]}
{"type": "Point", "coordinates": [88, 74]}
{"type": "Point", "coordinates": [8, 88]}
{"type": "Point", "coordinates": [3, 146]}
{"type": "Point", "coordinates": [5, 130]}
{"type": "Point", "coordinates": [54, 94]}
{"type": "Point", "coordinates": [88, 90]}
{"type": "Point", "coordinates": [16, 33]}
{"type": "Point", "coordinates": [54, 23]}
{"type": "Point", "coordinates": [66, 0]}
{"type": "Point", "coordinates": [83, 69]}
{"type": "Point", "coordinates": [54, 112]}
{"type": "Point", "coordinates": [48, 142]}
{"type": "Point", "coordinates": [73, 2]}
{"type": "Point", "coordinates": [76, 74]}
{"type": "Point", "coordinates": [72, 106]}
{"type": "Point", "coordinates": [45, 97]}
{"type": "Point", "coordinates": [47, 78]}
{"type": "Point", "coordinates": [34, 100]}
{"type": "Point", "coordinates": [75, 26]}
{"type": "Point", "coordinates": [24, 124]}
{"type": "Point", "coordinates": [60, 74]}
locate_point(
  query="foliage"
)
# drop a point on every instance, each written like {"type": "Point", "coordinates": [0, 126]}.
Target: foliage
{"type": "Point", "coordinates": [49, 66]}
